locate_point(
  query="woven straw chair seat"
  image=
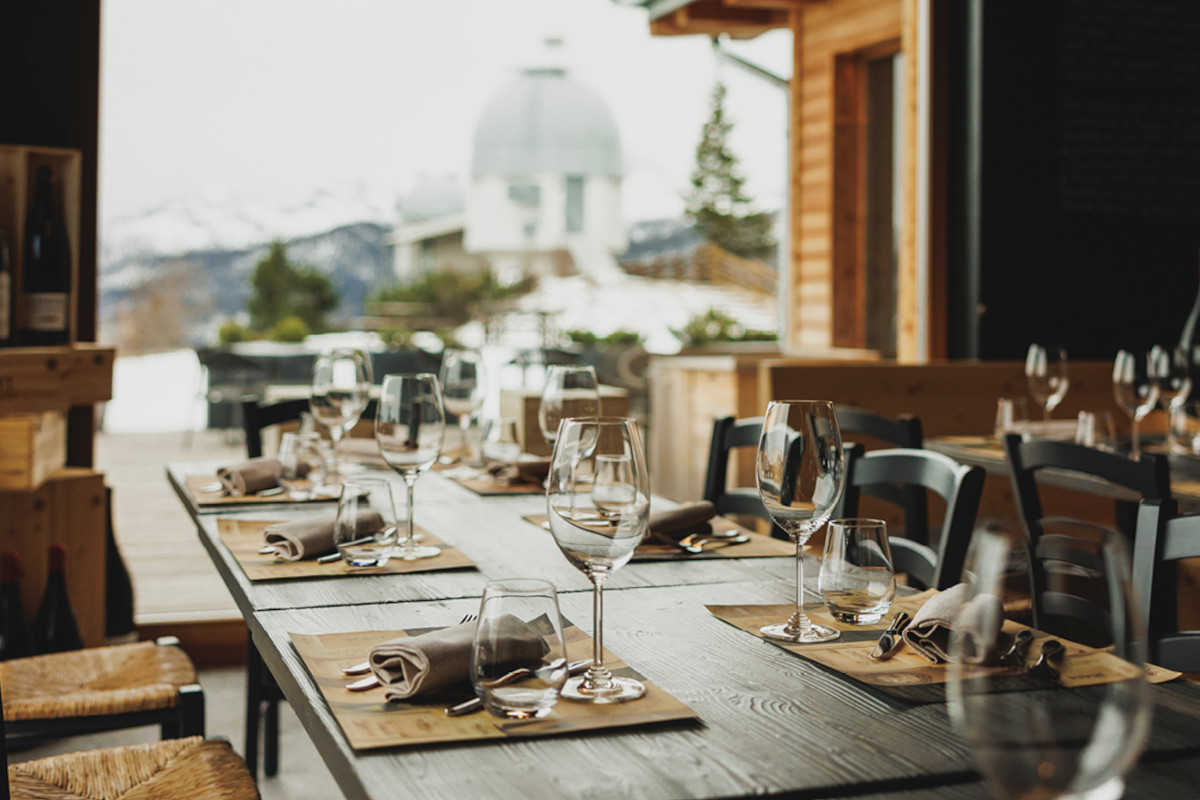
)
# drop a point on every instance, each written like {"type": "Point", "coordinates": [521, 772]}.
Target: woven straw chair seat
{"type": "Point", "coordinates": [175, 768]}
{"type": "Point", "coordinates": [119, 679]}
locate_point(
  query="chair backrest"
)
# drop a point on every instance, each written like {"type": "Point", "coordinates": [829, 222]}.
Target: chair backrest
{"type": "Point", "coordinates": [1148, 477]}
{"type": "Point", "coordinates": [959, 485]}
{"type": "Point", "coordinates": [728, 434]}
{"type": "Point", "coordinates": [256, 417]}
{"type": "Point", "coordinates": [904, 431]}
{"type": "Point", "coordinates": [1066, 558]}
{"type": "Point", "coordinates": [1162, 539]}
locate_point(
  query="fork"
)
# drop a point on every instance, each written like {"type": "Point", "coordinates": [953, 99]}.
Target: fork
{"type": "Point", "coordinates": [370, 682]}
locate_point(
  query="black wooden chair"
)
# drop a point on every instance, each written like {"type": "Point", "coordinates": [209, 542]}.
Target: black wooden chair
{"type": "Point", "coordinates": [1164, 538]}
{"type": "Point", "coordinates": [1066, 557]}
{"type": "Point", "coordinates": [922, 471]}
{"type": "Point", "coordinates": [904, 431]}
{"type": "Point", "coordinates": [729, 434]}
{"type": "Point", "coordinates": [256, 417]}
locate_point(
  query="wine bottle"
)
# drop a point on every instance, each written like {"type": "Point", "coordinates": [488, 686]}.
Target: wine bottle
{"type": "Point", "coordinates": [54, 625]}
{"type": "Point", "coordinates": [15, 641]}
{"type": "Point", "coordinates": [1189, 341]}
{"type": "Point", "coordinates": [46, 269]}
{"type": "Point", "coordinates": [118, 588]}
{"type": "Point", "coordinates": [6, 294]}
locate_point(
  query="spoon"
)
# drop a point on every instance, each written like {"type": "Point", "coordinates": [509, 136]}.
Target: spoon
{"type": "Point", "coordinates": [698, 546]}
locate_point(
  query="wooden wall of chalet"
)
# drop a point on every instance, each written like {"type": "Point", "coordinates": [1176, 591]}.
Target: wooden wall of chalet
{"type": "Point", "coordinates": [823, 32]}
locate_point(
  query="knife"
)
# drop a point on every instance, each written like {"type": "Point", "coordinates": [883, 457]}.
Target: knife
{"type": "Point", "coordinates": [891, 639]}
{"type": "Point", "coordinates": [474, 704]}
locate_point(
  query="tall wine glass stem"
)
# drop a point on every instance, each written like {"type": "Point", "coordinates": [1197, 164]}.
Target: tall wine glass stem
{"type": "Point", "coordinates": [597, 678]}
{"type": "Point", "coordinates": [799, 620]}
{"type": "Point", "coordinates": [1046, 412]}
{"type": "Point", "coordinates": [410, 482]}
{"type": "Point", "coordinates": [335, 435]}
{"type": "Point", "coordinates": [1135, 449]}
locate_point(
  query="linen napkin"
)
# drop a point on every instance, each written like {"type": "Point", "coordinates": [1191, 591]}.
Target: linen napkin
{"type": "Point", "coordinates": [312, 537]}
{"type": "Point", "coordinates": [532, 471]}
{"type": "Point", "coordinates": [424, 664]}
{"type": "Point", "coordinates": [686, 519]}
{"type": "Point", "coordinates": [978, 622]}
{"type": "Point", "coordinates": [249, 477]}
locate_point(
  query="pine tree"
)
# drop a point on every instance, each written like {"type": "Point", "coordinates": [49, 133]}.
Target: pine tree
{"type": "Point", "coordinates": [281, 290]}
{"type": "Point", "coordinates": [717, 204]}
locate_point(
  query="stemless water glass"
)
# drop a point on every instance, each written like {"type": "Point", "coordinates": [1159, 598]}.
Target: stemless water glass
{"type": "Point", "coordinates": [1046, 371]}
{"type": "Point", "coordinates": [598, 541]}
{"type": "Point", "coordinates": [519, 628]}
{"type": "Point", "coordinates": [569, 392]}
{"type": "Point", "coordinates": [464, 389]}
{"type": "Point", "coordinates": [856, 578]}
{"type": "Point", "coordinates": [801, 474]}
{"type": "Point", "coordinates": [301, 465]}
{"type": "Point", "coordinates": [1173, 368]}
{"type": "Point", "coordinates": [500, 441]}
{"type": "Point", "coordinates": [1135, 388]}
{"type": "Point", "coordinates": [1031, 737]}
{"type": "Point", "coordinates": [340, 389]}
{"type": "Point", "coordinates": [410, 428]}
{"type": "Point", "coordinates": [359, 543]}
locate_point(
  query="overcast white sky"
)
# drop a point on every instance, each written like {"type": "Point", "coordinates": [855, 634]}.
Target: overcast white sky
{"type": "Point", "coordinates": [273, 99]}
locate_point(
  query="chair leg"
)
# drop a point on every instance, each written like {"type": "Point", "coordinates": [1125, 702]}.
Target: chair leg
{"type": "Point", "coordinates": [271, 732]}
{"type": "Point", "coordinates": [191, 711]}
{"type": "Point", "coordinates": [254, 685]}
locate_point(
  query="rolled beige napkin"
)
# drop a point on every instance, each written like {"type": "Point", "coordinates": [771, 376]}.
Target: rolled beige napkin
{"type": "Point", "coordinates": [361, 451]}
{"type": "Point", "coordinates": [686, 519]}
{"type": "Point", "coordinates": [249, 477]}
{"type": "Point", "coordinates": [532, 471]}
{"type": "Point", "coordinates": [312, 537]}
{"type": "Point", "coordinates": [415, 665]}
{"type": "Point", "coordinates": [978, 622]}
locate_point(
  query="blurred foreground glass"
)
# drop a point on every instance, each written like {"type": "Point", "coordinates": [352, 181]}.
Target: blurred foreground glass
{"type": "Point", "coordinates": [1011, 412]}
{"type": "Point", "coordinates": [1046, 372]}
{"type": "Point", "coordinates": [570, 391]}
{"type": "Point", "coordinates": [1174, 385]}
{"type": "Point", "coordinates": [801, 474]}
{"type": "Point", "coordinates": [1185, 427]}
{"type": "Point", "coordinates": [410, 428]}
{"type": "Point", "coordinates": [598, 534]}
{"type": "Point", "coordinates": [519, 627]}
{"type": "Point", "coordinates": [1096, 429]}
{"type": "Point", "coordinates": [359, 543]}
{"type": "Point", "coordinates": [857, 579]}
{"type": "Point", "coordinates": [1031, 737]}
{"type": "Point", "coordinates": [500, 441]}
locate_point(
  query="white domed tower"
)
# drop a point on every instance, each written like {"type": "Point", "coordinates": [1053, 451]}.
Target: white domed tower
{"type": "Point", "coordinates": [546, 179]}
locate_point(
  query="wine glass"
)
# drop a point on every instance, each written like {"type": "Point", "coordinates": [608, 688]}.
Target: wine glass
{"type": "Point", "coordinates": [340, 389]}
{"type": "Point", "coordinates": [410, 427]}
{"type": "Point", "coordinates": [1135, 388]}
{"type": "Point", "coordinates": [570, 391]}
{"type": "Point", "coordinates": [1174, 384]}
{"type": "Point", "coordinates": [1046, 371]}
{"type": "Point", "coordinates": [1029, 735]}
{"type": "Point", "coordinates": [598, 535]}
{"type": "Point", "coordinates": [801, 473]}
{"type": "Point", "coordinates": [463, 389]}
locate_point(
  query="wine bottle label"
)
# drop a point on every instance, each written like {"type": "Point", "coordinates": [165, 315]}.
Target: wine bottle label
{"type": "Point", "coordinates": [5, 305]}
{"type": "Point", "coordinates": [46, 311]}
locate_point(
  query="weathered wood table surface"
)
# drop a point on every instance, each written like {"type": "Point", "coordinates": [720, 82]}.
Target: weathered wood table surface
{"type": "Point", "coordinates": [770, 723]}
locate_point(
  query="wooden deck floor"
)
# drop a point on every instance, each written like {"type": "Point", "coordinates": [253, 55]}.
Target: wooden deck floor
{"type": "Point", "coordinates": [174, 581]}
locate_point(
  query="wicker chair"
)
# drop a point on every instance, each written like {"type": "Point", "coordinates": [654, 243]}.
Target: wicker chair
{"type": "Point", "coordinates": [100, 689]}
{"type": "Point", "coordinates": [176, 768]}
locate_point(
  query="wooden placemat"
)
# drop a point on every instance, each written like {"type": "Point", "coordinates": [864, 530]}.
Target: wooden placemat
{"type": "Point", "coordinates": [485, 486]}
{"type": "Point", "coordinates": [369, 722]}
{"type": "Point", "coordinates": [196, 484]}
{"type": "Point", "coordinates": [244, 537]}
{"type": "Point", "coordinates": [759, 546]}
{"type": "Point", "coordinates": [906, 674]}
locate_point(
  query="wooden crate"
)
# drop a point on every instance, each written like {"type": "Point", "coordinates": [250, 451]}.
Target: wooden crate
{"type": "Point", "coordinates": [40, 378]}
{"type": "Point", "coordinates": [523, 406]}
{"type": "Point", "coordinates": [18, 169]}
{"type": "Point", "coordinates": [70, 508]}
{"type": "Point", "coordinates": [32, 447]}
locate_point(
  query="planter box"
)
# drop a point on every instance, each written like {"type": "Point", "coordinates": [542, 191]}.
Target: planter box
{"type": "Point", "coordinates": [32, 448]}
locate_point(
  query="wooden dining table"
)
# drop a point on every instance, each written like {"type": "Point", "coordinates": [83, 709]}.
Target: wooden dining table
{"type": "Point", "coordinates": [767, 722]}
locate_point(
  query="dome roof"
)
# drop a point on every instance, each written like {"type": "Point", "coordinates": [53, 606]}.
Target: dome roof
{"type": "Point", "coordinates": [432, 198]}
{"type": "Point", "coordinates": [545, 121]}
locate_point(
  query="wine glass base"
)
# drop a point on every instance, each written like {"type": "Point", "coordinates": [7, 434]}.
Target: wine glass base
{"type": "Point", "coordinates": [621, 690]}
{"type": "Point", "coordinates": [809, 635]}
{"type": "Point", "coordinates": [415, 553]}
